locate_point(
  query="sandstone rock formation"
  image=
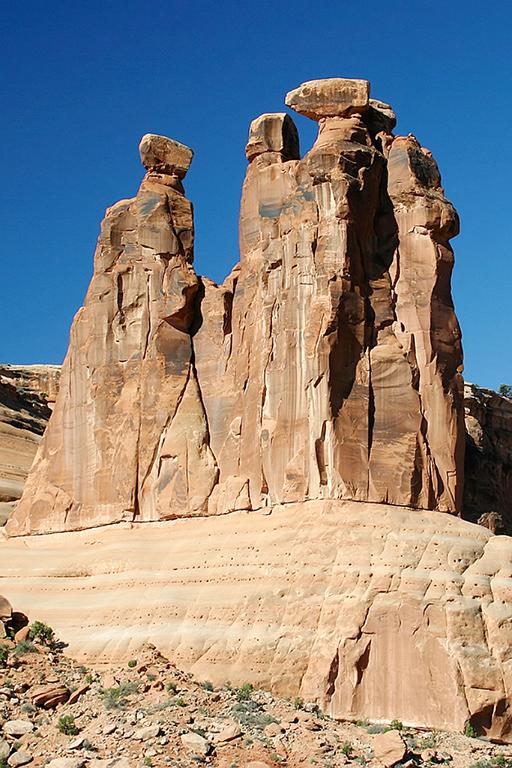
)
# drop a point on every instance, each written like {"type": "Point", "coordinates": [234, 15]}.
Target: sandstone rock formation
{"type": "Point", "coordinates": [488, 463]}
{"type": "Point", "coordinates": [319, 389]}
{"type": "Point", "coordinates": [370, 610]}
{"type": "Point", "coordinates": [326, 366]}
{"type": "Point", "coordinates": [27, 396]}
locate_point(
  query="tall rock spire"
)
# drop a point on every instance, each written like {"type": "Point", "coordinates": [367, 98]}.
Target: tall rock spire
{"type": "Point", "coordinates": [128, 430]}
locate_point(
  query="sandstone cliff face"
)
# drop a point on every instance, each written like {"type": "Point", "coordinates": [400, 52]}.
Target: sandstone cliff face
{"type": "Point", "coordinates": [488, 464]}
{"type": "Point", "coordinates": [326, 366]}
{"type": "Point", "coordinates": [372, 611]}
{"type": "Point", "coordinates": [27, 396]}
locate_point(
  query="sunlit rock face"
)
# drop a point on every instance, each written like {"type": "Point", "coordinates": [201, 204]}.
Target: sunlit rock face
{"type": "Point", "coordinates": [128, 438]}
{"type": "Point", "coordinates": [327, 365]}
{"type": "Point", "coordinates": [338, 356]}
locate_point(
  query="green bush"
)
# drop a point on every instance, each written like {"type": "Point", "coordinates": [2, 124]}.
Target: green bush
{"type": "Point", "coordinates": [67, 725]}
{"type": "Point", "coordinates": [4, 653]}
{"type": "Point", "coordinates": [171, 687]}
{"type": "Point", "coordinates": [396, 725]}
{"type": "Point", "coordinates": [25, 646]}
{"type": "Point", "coordinates": [117, 697]}
{"type": "Point", "coordinates": [180, 702]}
{"type": "Point", "coordinates": [207, 686]}
{"type": "Point", "coordinates": [244, 692]}
{"type": "Point", "coordinates": [347, 749]}
{"type": "Point", "coordinates": [42, 633]}
{"type": "Point", "coordinates": [470, 731]}
{"type": "Point", "coordinates": [298, 703]}
{"type": "Point", "coordinates": [505, 390]}
{"type": "Point", "coordinates": [132, 663]}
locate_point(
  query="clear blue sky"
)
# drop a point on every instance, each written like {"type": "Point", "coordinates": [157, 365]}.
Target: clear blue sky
{"type": "Point", "coordinates": [81, 82]}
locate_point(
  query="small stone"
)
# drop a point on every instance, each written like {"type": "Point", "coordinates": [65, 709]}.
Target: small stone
{"type": "Point", "coordinates": [108, 729]}
{"type": "Point", "coordinates": [18, 728]}
{"type": "Point", "coordinates": [148, 732]}
{"type": "Point", "coordinates": [77, 743]}
{"type": "Point", "coordinates": [273, 729]}
{"type": "Point", "coordinates": [50, 696]}
{"type": "Point", "coordinates": [5, 749]}
{"type": "Point", "coordinates": [389, 748]}
{"type": "Point", "coordinates": [22, 634]}
{"type": "Point", "coordinates": [163, 155]}
{"type": "Point", "coordinates": [19, 758]}
{"type": "Point", "coordinates": [193, 742]}
{"type": "Point", "coordinates": [66, 762]}
{"type": "Point", "coordinates": [230, 732]}
{"type": "Point", "coordinates": [76, 694]}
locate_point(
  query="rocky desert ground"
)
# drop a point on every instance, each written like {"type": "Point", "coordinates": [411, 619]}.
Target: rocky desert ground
{"type": "Point", "coordinates": [146, 712]}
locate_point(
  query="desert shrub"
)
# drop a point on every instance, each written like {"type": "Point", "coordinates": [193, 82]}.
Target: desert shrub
{"type": "Point", "coordinates": [132, 663]}
{"type": "Point", "coordinates": [207, 686]}
{"type": "Point", "coordinates": [347, 749]}
{"type": "Point", "coordinates": [117, 697]}
{"type": "Point", "coordinates": [492, 762]}
{"type": "Point", "coordinates": [244, 692]}
{"type": "Point", "coordinates": [4, 653]}
{"type": "Point", "coordinates": [66, 725]}
{"type": "Point", "coordinates": [171, 687]}
{"type": "Point", "coordinates": [505, 390]}
{"type": "Point", "coordinates": [25, 646]}
{"type": "Point", "coordinates": [298, 703]}
{"type": "Point", "coordinates": [470, 731]}
{"type": "Point", "coordinates": [42, 633]}
{"type": "Point", "coordinates": [180, 702]}
{"type": "Point", "coordinates": [396, 725]}
{"type": "Point", "coordinates": [376, 728]}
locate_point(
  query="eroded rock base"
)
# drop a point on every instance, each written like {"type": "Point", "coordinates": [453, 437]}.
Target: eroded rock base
{"type": "Point", "coordinates": [359, 607]}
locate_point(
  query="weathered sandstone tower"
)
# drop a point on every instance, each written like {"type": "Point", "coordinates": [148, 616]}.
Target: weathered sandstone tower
{"type": "Point", "coordinates": [327, 366]}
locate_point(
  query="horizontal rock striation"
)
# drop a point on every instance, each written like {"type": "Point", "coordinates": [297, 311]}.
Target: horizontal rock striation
{"type": "Point", "coordinates": [27, 396]}
{"type": "Point", "coordinates": [371, 611]}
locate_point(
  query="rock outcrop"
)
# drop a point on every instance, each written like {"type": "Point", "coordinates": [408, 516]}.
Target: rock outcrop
{"type": "Point", "coordinates": [369, 610]}
{"type": "Point", "coordinates": [319, 390]}
{"type": "Point", "coordinates": [27, 396]}
{"type": "Point", "coordinates": [327, 366]}
{"type": "Point", "coordinates": [488, 464]}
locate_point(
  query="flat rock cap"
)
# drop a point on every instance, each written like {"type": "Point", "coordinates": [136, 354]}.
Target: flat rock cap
{"type": "Point", "coordinates": [165, 155]}
{"type": "Point", "coordinates": [332, 97]}
{"type": "Point", "coordinates": [273, 132]}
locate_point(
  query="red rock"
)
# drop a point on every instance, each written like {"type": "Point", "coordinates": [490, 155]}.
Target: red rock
{"type": "Point", "coordinates": [22, 634]}
{"type": "Point", "coordinates": [389, 748]}
{"type": "Point", "coordinates": [75, 695]}
{"type": "Point", "coordinates": [49, 696]}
